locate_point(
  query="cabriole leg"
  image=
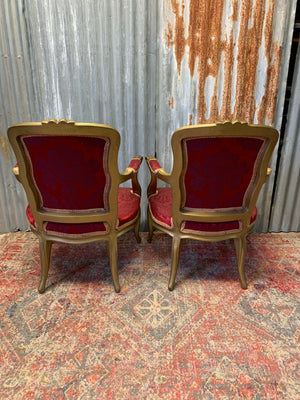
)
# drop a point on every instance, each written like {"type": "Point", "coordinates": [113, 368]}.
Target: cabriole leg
{"type": "Point", "coordinates": [150, 226]}
{"type": "Point", "coordinates": [137, 229]}
{"type": "Point", "coordinates": [176, 247]}
{"type": "Point", "coordinates": [113, 259]}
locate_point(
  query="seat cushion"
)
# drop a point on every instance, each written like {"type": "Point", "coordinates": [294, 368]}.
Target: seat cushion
{"type": "Point", "coordinates": [161, 209]}
{"type": "Point", "coordinates": [128, 208]}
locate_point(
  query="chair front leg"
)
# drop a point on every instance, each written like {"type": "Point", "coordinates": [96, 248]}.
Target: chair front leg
{"type": "Point", "coordinates": [240, 247]}
{"type": "Point", "coordinates": [45, 252]}
{"type": "Point", "coordinates": [137, 228]}
{"type": "Point", "coordinates": [176, 248]}
{"type": "Point", "coordinates": [113, 260]}
{"type": "Point", "coordinates": [150, 225]}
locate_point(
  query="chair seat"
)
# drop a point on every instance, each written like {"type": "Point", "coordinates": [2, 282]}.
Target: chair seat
{"type": "Point", "coordinates": [128, 208]}
{"type": "Point", "coordinates": [161, 209]}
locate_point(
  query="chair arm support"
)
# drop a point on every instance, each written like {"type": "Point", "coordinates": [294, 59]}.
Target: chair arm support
{"type": "Point", "coordinates": [131, 173]}
{"type": "Point", "coordinates": [156, 171]}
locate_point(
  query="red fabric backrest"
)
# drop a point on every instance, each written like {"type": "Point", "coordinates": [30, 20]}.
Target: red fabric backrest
{"type": "Point", "coordinates": [70, 172]}
{"type": "Point", "coordinates": [219, 170]}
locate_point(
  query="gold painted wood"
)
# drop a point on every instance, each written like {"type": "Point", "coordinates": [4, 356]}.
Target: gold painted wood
{"type": "Point", "coordinates": [243, 214]}
{"type": "Point", "coordinates": [109, 215]}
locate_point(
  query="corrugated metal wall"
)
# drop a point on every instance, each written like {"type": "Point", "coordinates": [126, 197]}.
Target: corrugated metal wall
{"type": "Point", "coordinates": [17, 104]}
{"type": "Point", "coordinates": [286, 210]}
{"type": "Point", "coordinates": [86, 60]}
{"type": "Point", "coordinates": [145, 67]}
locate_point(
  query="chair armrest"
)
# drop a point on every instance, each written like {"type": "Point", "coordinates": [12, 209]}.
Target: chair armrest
{"type": "Point", "coordinates": [131, 173]}
{"type": "Point", "coordinates": [134, 164]}
{"type": "Point", "coordinates": [16, 172]}
{"type": "Point", "coordinates": [153, 164]}
{"type": "Point", "coordinates": [156, 169]}
{"type": "Point", "coordinates": [156, 172]}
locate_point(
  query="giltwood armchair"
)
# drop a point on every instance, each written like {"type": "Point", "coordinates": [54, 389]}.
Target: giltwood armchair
{"type": "Point", "coordinates": [218, 171]}
{"type": "Point", "coordinates": [70, 175]}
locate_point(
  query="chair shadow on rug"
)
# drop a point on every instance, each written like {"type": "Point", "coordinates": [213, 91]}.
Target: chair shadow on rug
{"type": "Point", "coordinates": [218, 172]}
{"type": "Point", "coordinates": [70, 175]}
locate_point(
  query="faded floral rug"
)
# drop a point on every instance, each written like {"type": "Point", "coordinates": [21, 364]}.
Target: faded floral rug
{"type": "Point", "coordinates": [208, 339]}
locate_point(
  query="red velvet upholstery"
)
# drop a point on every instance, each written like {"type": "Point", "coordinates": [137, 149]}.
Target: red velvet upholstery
{"type": "Point", "coordinates": [160, 205]}
{"type": "Point", "coordinates": [154, 165]}
{"type": "Point", "coordinates": [219, 171]}
{"type": "Point", "coordinates": [84, 158]}
{"type": "Point", "coordinates": [161, 210]}
{"type": "Point", "coordinates": [135, 164]}
{"type": "Point", "coordinates": [128, 207]}
{"type": "Point", "coordinates": [213, 227]}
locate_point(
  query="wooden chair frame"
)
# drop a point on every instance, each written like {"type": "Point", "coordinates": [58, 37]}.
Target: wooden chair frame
{"type": "Point", "coordinates": [23, 174]}
{"type": "Point", "coordinates": [221, 129]}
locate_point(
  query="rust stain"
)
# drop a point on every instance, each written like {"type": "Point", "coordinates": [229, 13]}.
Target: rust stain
{"type": "Point", "coordinates": [179, 38]}
{"type": "Point", "coordinates": [266, 112]}
{"type": "Point", "coordinates": [235, 6]}
{"type": "Point", "coordinates": [273, 55]}
{"type": "Point", "coordinates": [171, 102]}
{"type": "Point", "coordinates": [204, 45]}
{"type": "Point", "coordinates": [248, 55]}
{"type": "Point", "coordinates": [169, 35]}
{"type": "Point", "coordinates": [190, 119]}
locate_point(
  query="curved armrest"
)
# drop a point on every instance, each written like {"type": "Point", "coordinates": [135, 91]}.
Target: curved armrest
{"type": "Point", "coordinates": [156, 172]}
{"type": "Point", "coordinates": [131, 173]}
{"type": "Point", "coordinates": [134, 164]}
{"type": "Point", "coordinates": [156, 169]}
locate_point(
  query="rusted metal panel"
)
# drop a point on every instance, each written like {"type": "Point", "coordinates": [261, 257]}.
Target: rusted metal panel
{"type": "Point", "coordinates": [223, 60]}
{"type": "Point", "coordinates": [235, 53]}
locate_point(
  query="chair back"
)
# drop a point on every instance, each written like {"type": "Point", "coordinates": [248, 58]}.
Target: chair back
{"type": "Point", "coordinates": [220, 168]}
{"type": "Point", "coordinates": [67, 168]}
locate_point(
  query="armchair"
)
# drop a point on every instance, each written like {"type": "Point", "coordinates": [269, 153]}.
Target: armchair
{"type": "Point", "coordinates": [218, 171]}
{"type": "Point", "coordinates": [70, 175]}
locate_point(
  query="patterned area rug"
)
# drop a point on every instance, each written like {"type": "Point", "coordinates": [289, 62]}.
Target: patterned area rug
{"type": "Point", "coordinates": [208, 339]}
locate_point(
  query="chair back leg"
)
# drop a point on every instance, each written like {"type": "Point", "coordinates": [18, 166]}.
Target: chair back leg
{"type": "Point", "coordinates": [137, 228]}
{"type": "Point", "coordinates": [45, 252]}
{"type": "Point", "coordinates": [176, 248]}
{"type": "Point", "coordinates": [240, 247]}
{"type": "Point", "coordinates": [113, 258]}
{"type": "Point", "coordinates": [150, 226]}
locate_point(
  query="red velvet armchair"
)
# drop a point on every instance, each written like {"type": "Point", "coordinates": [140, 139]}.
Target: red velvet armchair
{"type": "Point", "coordinates": [70, 175]}
{"type": "Point", "coordinates": [218, 171]}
